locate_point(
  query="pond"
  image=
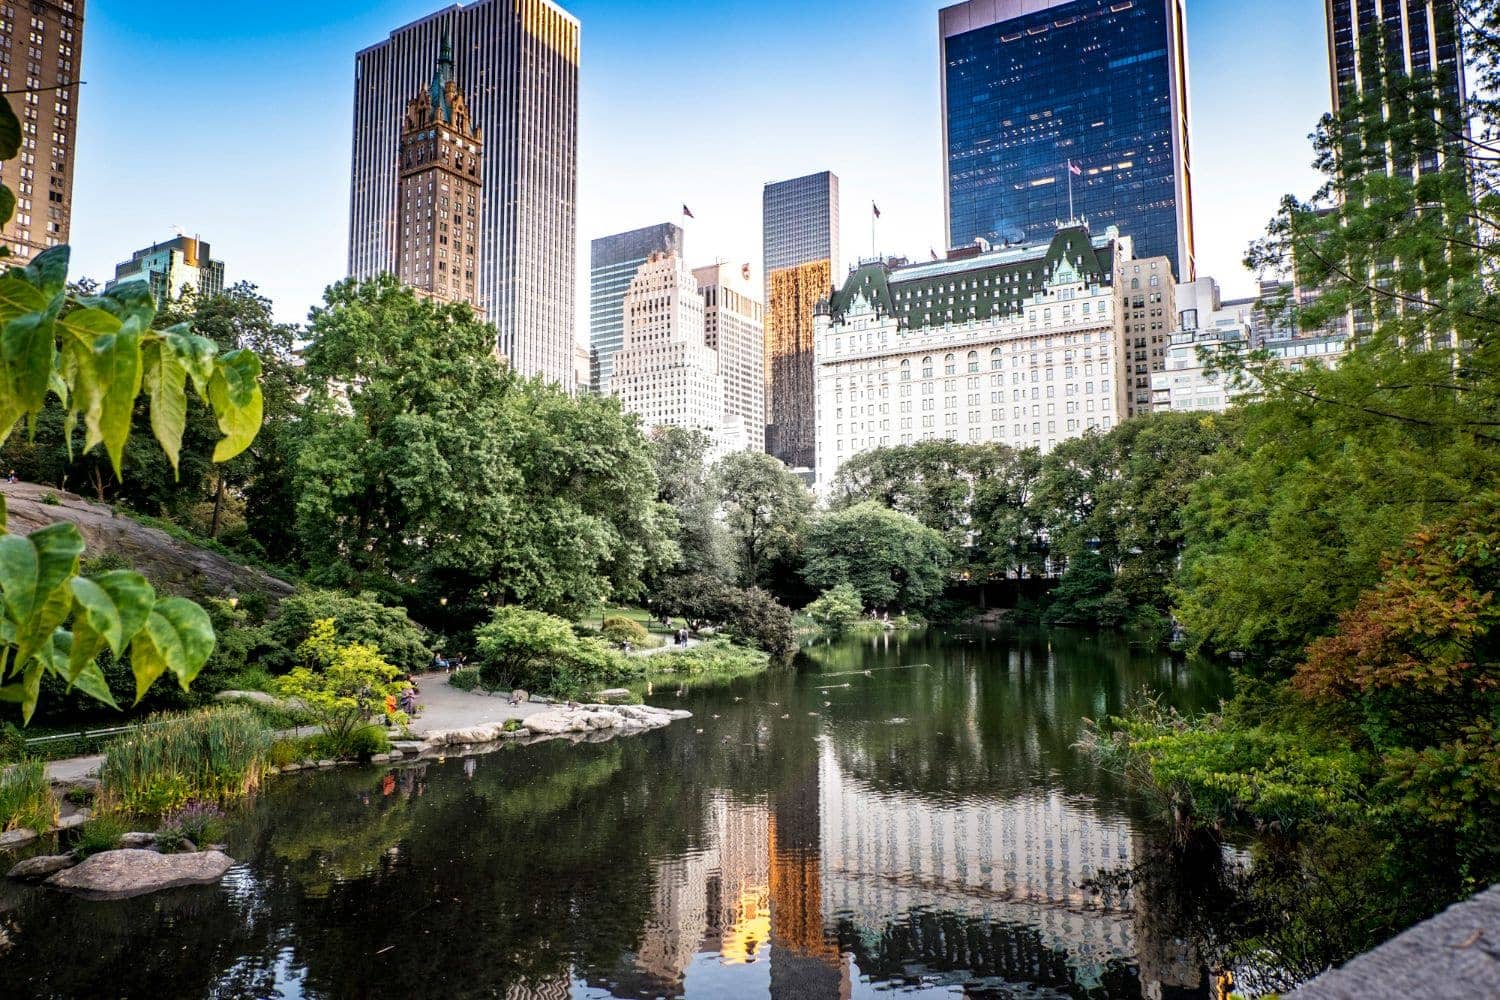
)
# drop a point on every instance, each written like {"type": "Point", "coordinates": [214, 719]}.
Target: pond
{"type": "Point", "coordinates": [898, 813]}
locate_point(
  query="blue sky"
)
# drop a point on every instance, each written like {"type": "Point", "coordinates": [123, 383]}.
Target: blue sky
{"type": "Point", "coordinates": [232, 122]}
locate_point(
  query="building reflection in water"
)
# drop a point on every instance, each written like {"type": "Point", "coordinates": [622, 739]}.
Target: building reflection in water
{"type": "Point", "coordinates": [827, 853]}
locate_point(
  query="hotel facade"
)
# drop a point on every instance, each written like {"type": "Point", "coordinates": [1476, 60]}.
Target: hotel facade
{"type": "Point", "coordinates": [1020, 346]}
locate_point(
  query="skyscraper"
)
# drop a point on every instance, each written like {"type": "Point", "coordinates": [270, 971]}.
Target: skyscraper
{"type": "Point", "coordinates": [440, 195]}
{"type": "Point", "coordinates": [613, 261]}
{"type": "Point", "coordinates": [43, 48]}
{"type": "Point", "coordinates": [1367, 38]}
{"type": "Point", "coordinates": [184, 261]}
{"type": "Point", "coordinates": [517, 63]}
{"type": "Point", "coordinates": [734, 324]}
{"type": "Point", "coordinates": [1058, 109]}
{"type": "Point", "coordinates": [800, 242]}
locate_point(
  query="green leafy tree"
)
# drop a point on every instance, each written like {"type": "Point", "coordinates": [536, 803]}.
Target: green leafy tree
{"type": "Point", "coordinates": [518, 647]}
{"type": "Point", "coordinates": [888, 558]}
{"type": "Point", "coordinates": [1007, 524]}
{"type": "Point", "coordinates": [765, 509]}
{"type": "Point", "coordinates": [343, 684]}
{"type": "Point", "coordinates": [356, 617]}
{"type": "Point", "coordinates": [836, 608]}
{"type": "Point", "coordinates": [686, 491]}
{"type": "Point", "coordinates": [932, 481]}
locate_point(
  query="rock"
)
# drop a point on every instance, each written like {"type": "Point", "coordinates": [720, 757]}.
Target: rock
{"type": "Point", "coordinates": [272, 770]}
{"type": "Point", "coordinates": [37, 868]}
{"type": "Point", "coordinates": [217, 847]}
{"type": "Point", "coordinates": [185, 846]}
{"type": "Point", "coordinates": [325, 763]}
{"type": "Point", "coordinates": [395, 755]}
{"type": "Point", "coordinates": [379, 758]}
{"type": "Point", "coordinates": [290, 767]}
{"type": "Point", "coordinates": [76, 819]}
{"type": "Point", "coordinates": [548, 724]}
{"type": "Point", "coordinates": [612, 695]}
{"type": "Point", "coordinates": [118, 874]}
{"type": "Point", "coordinates": [542, 699]}
{"type": "Point", "coordinates": [138, 840]}
{"type": "Point", "coordinates": [411, 746]}
{"type": "Point", "coordinates": [16, 837]}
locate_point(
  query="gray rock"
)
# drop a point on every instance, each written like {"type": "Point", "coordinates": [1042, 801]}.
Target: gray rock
{"type": "Point", "coordinates": [16, 837]}
{"type": "Point", "coordinates": [548, 724]}
{"type": "Point", "coordinates": [76, 819]}
{"type": "Point", "coordinates": [395, 755]}
{"type": "Point", "coordinates": [379, 758]}
{"type": "Point", "coordinates": [37, 868]}
{"type": "Point", "coordinates": [138, 839]}
{"type": "Point", "coordinates": [612, 695]}
{"type": "Point", "coordinates": [325, 763]}
{"type": "Point", "coordinates": [290, 767]}
{"type": "Point", "coordinates": [118, 874]}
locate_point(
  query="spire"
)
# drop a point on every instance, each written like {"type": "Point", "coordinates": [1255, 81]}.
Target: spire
{"type": "Point", "coordinates": [441, 76]}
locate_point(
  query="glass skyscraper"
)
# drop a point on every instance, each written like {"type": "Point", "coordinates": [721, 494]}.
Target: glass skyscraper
{"type": "Point", "coordinates": [1032, 86]}
{"type": "Point", "coordinates": [613, 262]}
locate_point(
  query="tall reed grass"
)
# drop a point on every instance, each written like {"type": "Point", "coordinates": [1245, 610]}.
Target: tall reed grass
{"type": "Point", "coordinates": [26, 798]}
{"type": "Point", "coordinates": [211, 755]}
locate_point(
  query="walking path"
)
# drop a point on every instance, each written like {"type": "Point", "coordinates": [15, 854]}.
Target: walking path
{"type": "Point", "coordinates": [653, 650]}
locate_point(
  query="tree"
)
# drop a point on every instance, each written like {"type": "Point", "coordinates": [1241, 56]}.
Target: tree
{"type": "Point", "coordinates": [888, 558]}
{"type": "Point", "coordinates": [356, 618]}
{"type": "Point", "coordinates": [749, 614]}
{"type": "Point", "coordinates": [1008, 527]}
{"type": "Point", "coordinates": [518, 647]}
{"type": "Point", "coordinates": [836, 608]}
{"type": "Point", "coordinates": [765, 510]}
{"type": "Point", "coordinates": [343, 684]}
{"type": "Point", "coordinates": [685, 490]}
{"type": "Point", "coordinates": [932, 481]}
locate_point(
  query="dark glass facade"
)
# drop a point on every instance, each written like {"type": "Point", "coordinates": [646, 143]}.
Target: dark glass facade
{"type": "Point", "coordinates": [1097, 82]}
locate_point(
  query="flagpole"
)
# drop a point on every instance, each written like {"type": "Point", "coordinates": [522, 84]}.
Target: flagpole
{"type": "Point", "coordinates": [1071, 216]}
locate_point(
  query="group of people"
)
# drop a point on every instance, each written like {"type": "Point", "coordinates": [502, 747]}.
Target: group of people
{"type": "Point", "coordinates": [448, 664]}
{"type": "Point", "coordinates": [406, 701]}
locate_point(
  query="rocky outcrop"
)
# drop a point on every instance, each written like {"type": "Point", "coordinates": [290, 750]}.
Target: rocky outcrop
{"type": "Point", "coordinates": [607, 720]}
{"type": "Point", "coordinates": [133, 872]}
{"type": "Point", "coordinates": [41, 866]}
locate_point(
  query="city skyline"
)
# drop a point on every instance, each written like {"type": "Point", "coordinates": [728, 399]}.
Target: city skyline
{"type": "Point", "coordinates": [284, 97]}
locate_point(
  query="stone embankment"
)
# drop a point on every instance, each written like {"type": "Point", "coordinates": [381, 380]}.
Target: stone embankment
{"type": "Point", "coordinates": [559, 721]}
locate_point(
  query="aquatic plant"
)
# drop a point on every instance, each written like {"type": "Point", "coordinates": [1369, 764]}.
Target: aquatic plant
{"type": "Point", "coordinates": [215, 754]}
{"type": "Point", "coordinates": [26, 798]}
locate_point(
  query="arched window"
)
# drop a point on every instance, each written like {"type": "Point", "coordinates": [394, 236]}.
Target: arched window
{"type": "Point", "coordinates": [973, 360]}
{"type": "Point", "coordinates": [949, 365]}
{"type": "Point", "coordinates": [995, 361]}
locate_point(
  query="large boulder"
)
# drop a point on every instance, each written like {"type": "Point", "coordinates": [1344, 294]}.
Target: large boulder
{"type": "Point", "coordinates": [548, 724]}
{"type": "Point", "coordinates": [130, 872]}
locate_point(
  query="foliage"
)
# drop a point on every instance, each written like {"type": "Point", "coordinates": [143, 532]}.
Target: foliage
{"type": "Point", "coordinates": [714, 661]}
{"type": "Point", "coordinates": [414, 430]}
{"type": "Point", "coordinates": [102, 832]}
{"type": "Point", "coordinates": [342, 684]}
{"type": "Point", "coordinates": [26, 798]}
{"type": "Point", "coordinates": [889, 559]}
{"type": "Point", "coordinates": [750, 614]}
{"type": "Point", "coordinates": [541, 653]}
{"type": "Point", "coordinates": [465, 678]}
{"type": "Point", "coordinates": [12, 743]}
{"type": "Point", "coordinates": [836, 608]}
{"type": "Point", "coordinates": [212, 754]}
{"type": "Point", "coordinates": [620, 631]}
{"type": "Point", "coordinates": [117, 610]}
{"type": "Point", "coordinates": [356, 618]}
{"type": "Point", "coordinates": [367, 741]}
{"type": "Point", "coordinates": [199, 823]}
{"type": "Point", "coordinates": [1086, 595]}
{"type": "Point", "coordinates": [687, 493]}
{"type": "Point", "coordinates": [765, 509]}
{"type": "Point", "coordinates": [1208, 775]}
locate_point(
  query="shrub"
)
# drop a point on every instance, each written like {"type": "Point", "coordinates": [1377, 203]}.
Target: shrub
{"type": "Point", "coordinates": [213, 754]}
{"type": "Point", "coordinates": [367, 741]}
{"type": "Point", "coordinates": [620, 630]}
{"type": "Point", "coordinates": [12, 743]}
{"type": "Point", "coordinates": [750, 614]}
{"type": "Point", "coordinates": [716, 659]}
{"type": "Point", "coordinates": [26, 798]}
{"type": "Point", "coordinates": [342, 684]}
{"type": "Point", "coordinates": [540, 652]}
{"type": "Point", "coordinates": [198, 822]}
{"type": "Point", "coordinates": [101, 833]}
{"type": "Point", "coordinates": [250, 679]}
{"type": "Point", "coordinates": [836, 608]}
{"type": "Point", "coordinates": [356, 618]}
{"type": "Point", "coordinates": [465, 679]}
{"type": "Point", "coordinates": [291, 750]}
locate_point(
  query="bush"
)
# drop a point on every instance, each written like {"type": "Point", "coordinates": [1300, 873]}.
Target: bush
{"type": "Point", "coordinates": [101, 833]}
{"type": "Point", "coordinates": [26, 798]}
{"type": "Point", "coordinates": [465, 678]}
{"type": "Point", "coordinates": [541, 653]}
{"type": "Point", "coordinates": [836, 609]}
{"type": "Point", "coordinates": [716, 659]}
{"type": "Point", "coordinates": [342, 684]}
{"type": "Point", "coordinates": [213, 754]}
{"type": "Point", "coordinates": [356, 618]}
{"type": "Point", "coordinates": [199, 822]}
{"type": "Point", "coordinates": [620, 630]}
{"type": "Point", "coordinates": [367, 741]}
{"type": "Point", "coordinates": [12, 743]}
{"type": "Point", "coordinates": [750, 614]}
{"type": "Point", "coordinates": [291, 750]}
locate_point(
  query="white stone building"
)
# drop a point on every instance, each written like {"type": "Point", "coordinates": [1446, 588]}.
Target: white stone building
{"type": "Point", "coordinates": [665, 371]}
{"type": "Point", "coordinates": [1020, 345]}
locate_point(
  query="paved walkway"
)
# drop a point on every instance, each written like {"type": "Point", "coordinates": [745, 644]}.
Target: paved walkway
{"type": "Point", "coordinates": [653, 650]}
{"type": "Point", "coordinates": [446, 707]}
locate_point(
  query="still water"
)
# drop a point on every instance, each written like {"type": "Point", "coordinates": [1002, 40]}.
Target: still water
{"type": "Point", "coordinates": [895, 814]}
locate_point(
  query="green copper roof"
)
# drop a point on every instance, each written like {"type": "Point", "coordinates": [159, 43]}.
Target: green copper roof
{"type": "Point", "coordinates": [981, 286]}
{"type": "Point", "coordinates": [437, 92]}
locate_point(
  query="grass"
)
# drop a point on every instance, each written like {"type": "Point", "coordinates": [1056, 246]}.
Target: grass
{"type": "Point", "coordinates": [101, 833]}
{"type": "Point", "coordinates": [211, 755]}
{"type": "Point", "coordinates": [716, 661]}
{"type": "Point", "coordinates": [26, 798]}
{"type": "Point", "coordinates": [635, 614]}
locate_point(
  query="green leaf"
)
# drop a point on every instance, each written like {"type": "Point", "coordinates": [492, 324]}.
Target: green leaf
{"type": "Point", "coordinates": [235, 395]}
{"type": "Point", "coordinates": [115, 604]}
{"type": "Point", "coordinates": [165, 382]}
{"type": "Point", "coordinates": [196, 354]}
{"type": "Point", "coordinates": [178, 636]}
{"type": "Point", "coordinates": [117, 366]}
{"type": "Point", "coordinates": [49, 269]}
{"type": "Point", "coordinates": [28, 345]}
{"type": "Point", "coordinates": [19, 296]}
{"type": "Point", "coordinates": [127, 300]}
{"type": "Point", "coordinates": [4, 514]}
{"type": "Point", "coordinates": [10, 131]}
{"type": "Point", "coordinates": [88, 325]}
{"type": "Point", "coordinates": [92, 683]}
{"type": "Point", "coordinates": [18, 561]}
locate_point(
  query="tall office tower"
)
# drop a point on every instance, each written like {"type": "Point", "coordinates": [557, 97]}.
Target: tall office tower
{"type": "Point", "coordinates": [800, 234]}
{"type": "Point", "coordinates": [1149, 313]}
{"type": "Point", "coordinates": [440, 195]}
{"type": "Point", "coordinates": [665, 372]}
{"type": "Point", "coordinates": [183, 262]}
{"type": "Point", "coordinates": [41, 48]}
{"type": "Point", "coordinates": [613, 261]}
{"type": "Point", "coordinates": [1369, 38]}
{"type": "Point", "coordinates": [517, 63]}
{"type": "Point", "coordinates": [1059, 109]}
{"type": "Point", "coordinates": [734, 324]}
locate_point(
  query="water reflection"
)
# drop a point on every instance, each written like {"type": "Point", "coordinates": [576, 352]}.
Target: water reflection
{"type": "Point", "coordinates": [902, 812]}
